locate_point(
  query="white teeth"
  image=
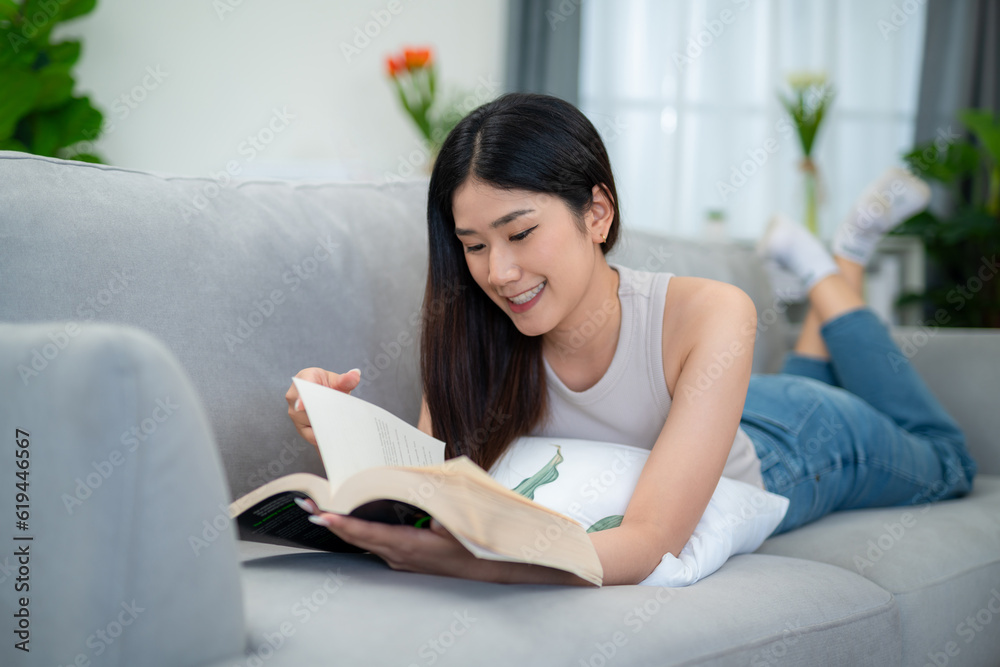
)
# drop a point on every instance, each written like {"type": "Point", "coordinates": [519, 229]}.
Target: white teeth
{"type": "Point", "coordinates": [528, 296]}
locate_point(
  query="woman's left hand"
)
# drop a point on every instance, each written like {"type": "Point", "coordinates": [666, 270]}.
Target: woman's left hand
{"type": "Point", "coordinates": [434, 551]}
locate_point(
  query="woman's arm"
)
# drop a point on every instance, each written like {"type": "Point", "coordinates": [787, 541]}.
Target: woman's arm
{"type": "Point", "coordinates": [434, 551]}
{"type": "Point", "coordinates": [711, 327]}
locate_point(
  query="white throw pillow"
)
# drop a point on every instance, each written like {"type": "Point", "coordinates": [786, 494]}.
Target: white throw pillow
{"type": "Point", "coordinates": [592, 482]}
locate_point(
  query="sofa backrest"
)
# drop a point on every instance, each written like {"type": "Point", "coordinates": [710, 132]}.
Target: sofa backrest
{"type": "Point", "coordinates": [252, 281]}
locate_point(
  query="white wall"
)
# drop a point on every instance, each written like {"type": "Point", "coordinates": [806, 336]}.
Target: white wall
{"type": "Point", "coordinates": [225, 66]}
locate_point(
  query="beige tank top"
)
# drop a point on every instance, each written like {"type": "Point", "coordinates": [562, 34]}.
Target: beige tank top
{"type": "Point", "coordinates": [629, 404]}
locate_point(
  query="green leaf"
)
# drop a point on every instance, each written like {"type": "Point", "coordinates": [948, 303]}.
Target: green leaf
{"type": "Point", "coordinates": [12, 145]}
{"type": "Point", "coordinates": [15, 49]}
{"type": "Point", "coordinates": [75, 8]}
{"type": "Point", "coordinates": [974, 223]}
{"type": "Point", "coordinates": [56, 86]}
{"type": "Point", "coordinates": [8, 10]}
{"type": "Point", "coordinates": [963, 158]}
{"type": "Point", "coordinates": [75, 121]}
{"type": "Point", "coordinates": [64, 53]}
{"type": "Point", "coordinates": [807, 114]}
{"type": "Point", "coordinates": [42, 135]}
{"type": "Point", "coordinates": [45, 14]}
{"type": "Point", "coordinates": [986, 128]}
{"type": "Point", "coordinates": [40, 16]}
{"type": "Point", "coordinates": [949, 166]}
{"type": "Point", "coordinates": [20, 89]}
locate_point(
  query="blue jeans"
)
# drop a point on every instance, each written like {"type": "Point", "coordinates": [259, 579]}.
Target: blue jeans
{"type": "Point", "coordinates": [859, 430]}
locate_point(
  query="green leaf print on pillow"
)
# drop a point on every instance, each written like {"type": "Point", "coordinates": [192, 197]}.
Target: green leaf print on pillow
{"type": "Point", "coordinates": [612, 521]}
{"type": "Point", "coordinates": [547, 474]}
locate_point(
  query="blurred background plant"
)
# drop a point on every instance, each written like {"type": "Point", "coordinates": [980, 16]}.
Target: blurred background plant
{"type": "Point", "coordinates": [414, 75]}
{"type": "Point", "coordinates": [38, 111]}
{"type": "Point", "coordinates": [962, 243]}
{"type": "Point", "coordinates": [811, 97]}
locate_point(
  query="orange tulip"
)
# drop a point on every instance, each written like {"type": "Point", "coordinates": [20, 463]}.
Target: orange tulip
{"type": "Point", "coordinates": [417, 58]}
{"type": "Point", "coordinates": [395, 65]}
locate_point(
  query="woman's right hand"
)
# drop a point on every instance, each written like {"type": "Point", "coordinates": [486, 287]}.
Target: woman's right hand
{"type": "Point", "coordinates": [345, 382]}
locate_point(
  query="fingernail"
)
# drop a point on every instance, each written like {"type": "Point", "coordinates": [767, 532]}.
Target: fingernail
{"type": "Point", "coordinates": [298, 403]}
{"type": "Point", "coordinates": [304, 505]}
{"type": "Point", "coordinates": [319, 520]}
{"type": "Point", "coordinates": [355, 369]}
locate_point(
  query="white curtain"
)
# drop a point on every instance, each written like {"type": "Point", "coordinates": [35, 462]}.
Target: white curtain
{"type": "Point", "coordinates": [684, 93]}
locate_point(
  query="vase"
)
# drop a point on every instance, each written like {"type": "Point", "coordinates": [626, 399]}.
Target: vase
{"type": "Point", "coordinates": [810, 185]}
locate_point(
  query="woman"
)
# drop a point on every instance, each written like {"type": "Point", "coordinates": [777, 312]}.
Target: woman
{"type": "Point", "coordinates": [548, 338]}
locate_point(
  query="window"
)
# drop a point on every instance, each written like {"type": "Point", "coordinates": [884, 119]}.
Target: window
{"type": "Point", "coordinates": [690, 88]}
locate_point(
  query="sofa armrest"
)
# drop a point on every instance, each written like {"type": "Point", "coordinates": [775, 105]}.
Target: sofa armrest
{"type": "Point", "coordinates": [962, 368]}
{"type": "Point", "coordinates": [132, 558]}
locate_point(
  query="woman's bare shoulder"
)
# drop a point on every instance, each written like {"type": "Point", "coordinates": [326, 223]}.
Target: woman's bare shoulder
{"type": "Point", "coordinates": [697, 307]}
{"type": "Point", "coordinates": [691, 299]}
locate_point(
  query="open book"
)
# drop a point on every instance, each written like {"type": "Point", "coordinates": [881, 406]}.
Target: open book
{"type": "Point", "coordinates": [380, 468]}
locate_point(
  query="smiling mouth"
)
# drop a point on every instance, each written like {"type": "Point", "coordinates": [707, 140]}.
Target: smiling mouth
{"type": "Point", "coordinates": [525, 297]}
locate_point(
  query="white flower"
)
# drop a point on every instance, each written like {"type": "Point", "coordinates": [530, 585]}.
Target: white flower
{"type": "Point", "coordinates": [806, 79]}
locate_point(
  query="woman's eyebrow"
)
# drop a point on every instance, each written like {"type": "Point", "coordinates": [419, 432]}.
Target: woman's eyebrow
{"type": "Point", "coordinates": [499, 222]}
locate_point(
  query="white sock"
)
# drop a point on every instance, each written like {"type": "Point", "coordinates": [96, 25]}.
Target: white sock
{"type": "Point", "coordinates": [893, 197]}
{"type": "Point", "coordinates": [795, 249]}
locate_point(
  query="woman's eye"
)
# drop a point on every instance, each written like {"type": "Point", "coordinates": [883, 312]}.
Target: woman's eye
{"type": "Point", "coordinates": [523, 235]}
{"type": "Point", "coordinates": [516, 237]}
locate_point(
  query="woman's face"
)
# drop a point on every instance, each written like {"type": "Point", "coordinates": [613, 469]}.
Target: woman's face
{"type": "Point", "coordinates": [527, 251]}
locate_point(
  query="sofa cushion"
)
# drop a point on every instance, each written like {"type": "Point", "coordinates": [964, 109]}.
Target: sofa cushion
{"type": "Point", "coordinates": [756, 610]}
{"type": "Point", "coordinates": [940, 560]}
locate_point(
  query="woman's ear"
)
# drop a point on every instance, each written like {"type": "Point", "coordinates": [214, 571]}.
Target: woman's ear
{"type": "Point", "coordinates": [602, 212]}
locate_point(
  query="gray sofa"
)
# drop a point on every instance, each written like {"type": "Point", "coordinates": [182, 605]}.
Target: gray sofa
{"type": "Point", "coordinates": [149, 328]}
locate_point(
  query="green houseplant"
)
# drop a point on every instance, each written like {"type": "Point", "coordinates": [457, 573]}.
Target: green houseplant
{"type": "Point", "coordinates": [38, 111]}
{"type": "Point", "coordinates": [807, 106]}
{"type": "Point", "coordinates": [963, 243]}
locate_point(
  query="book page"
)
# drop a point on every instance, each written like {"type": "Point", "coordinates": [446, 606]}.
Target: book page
{"type": "Point", "coordinates": [354, 435]}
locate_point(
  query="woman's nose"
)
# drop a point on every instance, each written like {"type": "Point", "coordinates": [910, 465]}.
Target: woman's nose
{"type": "Point", "coordinates": [503, 267]}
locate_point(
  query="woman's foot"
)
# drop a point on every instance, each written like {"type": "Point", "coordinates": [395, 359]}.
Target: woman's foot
{"type": "Point", "coordinates": [895, 196]}
{"type": "Point", "coordinates": [795, 249]}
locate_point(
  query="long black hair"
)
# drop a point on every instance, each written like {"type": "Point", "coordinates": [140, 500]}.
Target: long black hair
{"type": "Point", "coordinates": [484, 380]}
